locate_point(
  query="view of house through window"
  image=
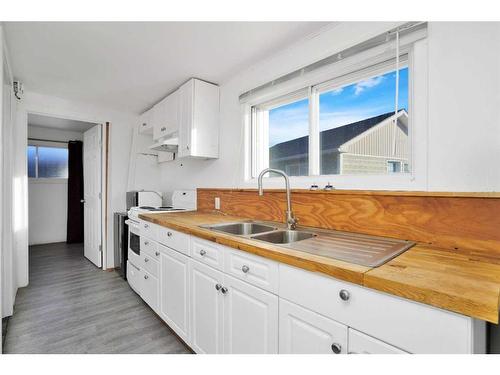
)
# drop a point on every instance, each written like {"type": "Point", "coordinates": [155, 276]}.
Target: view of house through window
{"type": "Point", "coordinates": [47, 162]}
{"type": "Point", "coordinates": [289, 138]}
{"type": "Point", "coordinates": [357, 129]}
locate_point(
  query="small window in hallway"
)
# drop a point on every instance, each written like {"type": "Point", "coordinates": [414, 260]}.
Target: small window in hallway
{"type": "Point", "coordinates": [47, 162]}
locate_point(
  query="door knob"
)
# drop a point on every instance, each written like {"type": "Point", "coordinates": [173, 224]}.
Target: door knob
{"type": "Point", "coordinates": [336, 348]}
{"type": "Point", "coordinates": [344, 295]}
{"type": "Point", "coordinates": [218, 286]}
{"type": "Point", "coordinates": [82, 200]}
{"type": "Point", "coordinates": [157, 253]}
{"type": "Point", "coordinates": [224, 290]}
{"type": "Point", "coordinates": [202, 252]}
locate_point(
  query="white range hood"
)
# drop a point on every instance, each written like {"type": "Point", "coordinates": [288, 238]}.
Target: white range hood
{"type": "Point", "coordinates": [170, 144]}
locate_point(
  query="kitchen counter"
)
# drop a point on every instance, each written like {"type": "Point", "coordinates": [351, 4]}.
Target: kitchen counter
{"type": "Point", "coordinates": [462, 281]}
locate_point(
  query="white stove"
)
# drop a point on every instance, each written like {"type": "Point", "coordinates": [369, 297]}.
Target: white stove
{"type": "Point", "coordinates": [182, 200]}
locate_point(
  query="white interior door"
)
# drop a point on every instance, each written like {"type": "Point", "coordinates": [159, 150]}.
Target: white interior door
{"type": "Point", "coordinates": [92, 195]}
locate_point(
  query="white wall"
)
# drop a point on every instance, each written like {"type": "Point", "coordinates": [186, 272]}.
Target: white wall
{"type": "Point", "coordinates": [119, 150]}
{"type": "Point", "coordinates": [53, 134]}
{"type": "Point", "coordinates": [48, 198]}
{"type": "Point", "coordinates": [458, 137]}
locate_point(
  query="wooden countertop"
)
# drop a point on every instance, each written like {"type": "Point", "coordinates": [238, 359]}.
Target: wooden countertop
{"type": "Point", "coordinates": [462, 281]}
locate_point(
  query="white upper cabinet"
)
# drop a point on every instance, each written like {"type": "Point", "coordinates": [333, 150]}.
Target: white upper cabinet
{"type": "Point", "coordinates": [146, 122]}
{"type": "Point", "coordinates": [198, 116]}
{"type": "Point", "coordinates": [166, 120]}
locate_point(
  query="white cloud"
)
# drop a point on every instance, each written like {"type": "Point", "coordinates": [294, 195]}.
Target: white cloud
{"type": "Point", "coordinates": [367, 83]}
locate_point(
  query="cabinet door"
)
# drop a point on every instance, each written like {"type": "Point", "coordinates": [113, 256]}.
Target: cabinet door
{"type": "Point", "coordinates": [250, 318]}
{"type": "Point", "coordinates": [305, 332]}
{"type": "Point", "coordinates": [158, 113]}
{"type": "Point", "coordinates": [174, 291]}
{"type": "Point", "coordinates": [149, 290]}
{"type": "Point", "coordinates": [206, 309]}
{"type": "Point", "coordinates": [171, 109]}
{"type": "Point", "coordinates": [359, 343]}
{"type": "Point", "coordinates": [185, 113]}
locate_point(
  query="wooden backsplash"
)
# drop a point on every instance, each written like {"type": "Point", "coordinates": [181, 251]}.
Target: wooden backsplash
{"type": "Point", "coordinates": [448, 220]}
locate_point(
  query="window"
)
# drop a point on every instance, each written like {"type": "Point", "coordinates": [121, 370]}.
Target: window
{"type": "Point", "coordinates": [344, 126]}
{"type": "Point", "coordinates": [47, 162]}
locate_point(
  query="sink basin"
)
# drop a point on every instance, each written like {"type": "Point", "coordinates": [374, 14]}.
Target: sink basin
{"type": "Point", "coordinates": [283, 236]}
{"type": "Point", "coordinates": [241, 229]}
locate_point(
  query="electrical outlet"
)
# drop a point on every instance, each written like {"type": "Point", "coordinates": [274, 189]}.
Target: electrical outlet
{"type": "Point", "coordinates": [217, 203]}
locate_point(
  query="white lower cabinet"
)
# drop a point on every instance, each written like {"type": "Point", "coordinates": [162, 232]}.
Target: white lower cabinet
{"type": "Point", "coordinates": [359, 343]}
{"type": "Point", "coordinates": [174, 290]}
{"type": "Point", "coordinates": [234, 302]}
{"type": "Point", "coordinates": [250, 319]}
{"type": "Point", "coordinates": [149, 290]}
{"type": "Point", "coordinates": [302, 331]}
{"type": "Point", "coordinates": [207, 309]}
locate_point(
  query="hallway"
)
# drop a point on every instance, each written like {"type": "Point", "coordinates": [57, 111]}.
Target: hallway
{"type": "Point", "coordinates": [71, 306]}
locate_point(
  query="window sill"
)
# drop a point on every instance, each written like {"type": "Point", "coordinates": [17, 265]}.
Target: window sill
{"type": "Point", "coordinates": [47, 180]}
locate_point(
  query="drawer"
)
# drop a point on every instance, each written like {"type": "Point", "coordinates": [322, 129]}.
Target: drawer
{"type": "Point", "coordinates": [411, 326]}
{"type": "Point", "coordinates": [359, 343]}
{"type": "Point", "coordinates": [150, 248]}
{"type": "Point", "coordinates": [174, 239]}
{"type": "Point", "coordinates": [150, 265]}
{"type": "Point", "coordinates": [150, 290]}
{"type": "Point", "coordinates": [134, 258]}
{"type": "Point", "coordinates": [253, 269]}
{"type": "Point", "coordinates": [134, 277]}
{"type": "Point", "coordinates": [208, 252]}
{"type": "Point", "coordinates": [148, 230]}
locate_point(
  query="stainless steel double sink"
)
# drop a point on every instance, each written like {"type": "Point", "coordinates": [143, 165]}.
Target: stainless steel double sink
{"type": "Point", "coordinates": [365, 250]}
{"type": "Point", "coordinates": [261, 232]}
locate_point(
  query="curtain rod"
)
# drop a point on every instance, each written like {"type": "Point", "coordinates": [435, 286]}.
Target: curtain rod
{"type": "Point", "coordinates": [46, 140]}
{"type": "Point", "coordinates": [378, 40]}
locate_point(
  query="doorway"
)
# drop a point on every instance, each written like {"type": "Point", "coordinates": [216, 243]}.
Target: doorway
{"type": "Point", "coordinates": [65, 185]}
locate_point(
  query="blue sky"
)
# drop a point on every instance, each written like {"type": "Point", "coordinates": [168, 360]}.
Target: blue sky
{"type": "Point", "coordinates": [348, 104]}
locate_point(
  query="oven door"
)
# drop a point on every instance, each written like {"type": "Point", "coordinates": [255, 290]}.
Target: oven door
{"type": "Point", "coordinates": [134, 242]}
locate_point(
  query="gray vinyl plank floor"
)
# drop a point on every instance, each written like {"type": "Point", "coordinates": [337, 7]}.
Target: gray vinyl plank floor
{"type": "Point", "coordinates": [71, 306]}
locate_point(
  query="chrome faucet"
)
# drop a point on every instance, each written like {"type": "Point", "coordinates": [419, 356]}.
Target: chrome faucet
{"type": "Point", "coordinates": [291, 221]}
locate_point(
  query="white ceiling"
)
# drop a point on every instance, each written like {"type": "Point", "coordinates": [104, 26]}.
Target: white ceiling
{"type": "Point", "coordinates": [59, 123]}
{"type": "Point", "coordinates": [132, 65]}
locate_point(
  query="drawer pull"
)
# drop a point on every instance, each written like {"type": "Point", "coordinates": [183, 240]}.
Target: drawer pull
{"type": "Point", "coordinates": [224, 290]}
{"type": "Point", "coordinates": [245, 269]}
{"type": "Point", "coordinates": [146, 243]}
{"type": "Point", "coordinates": [146, 260]}
{"type": "Point", "coordinates": [202, 252]}
{"type": "Point", "coordinates": [169, 234]}
{"type": "Point", "coordinates": [146, 226]}
{"type": "Point", "coordinates": [163, 129]}
{"type": "Point", "coordinates": [218, 286]}
{"type": "Point", "coordinates": [344, 295]}
{"type": "Point", "coordinates": [157, 253]}
{"type": "Point", "coordinates": [146, 277]}
{"type": "Point", "coordinates": [336, 348]}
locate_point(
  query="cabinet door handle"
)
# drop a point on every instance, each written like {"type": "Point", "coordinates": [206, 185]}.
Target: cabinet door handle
{"type": "Point", "coordinates": [146, 226]}
{"type": "Point", "coordinates": [218, 286]}
{"type": "Point", "coordinates": [169, 234]}
{"type": "Point", "coordinates": [245, 269]}
{"type": "Point", "coordinates": [146, 260]}
{"type": "Point", "coordinates": [344, 295]}
{"type": "Point", "coordinates": [146, 243]}
{"type": "Point", "coordinates": [157, 253]}
{"type": "Point", "coordinates": [202, 252]}
{"type": "Point", "coordinates": [146, 277]}
{"type": "Point", "coordinates": [163, 129]}
{"type": "Point", "coordinates": [336, 348]}
{"type": "Point", "coordinates": [224, 290]}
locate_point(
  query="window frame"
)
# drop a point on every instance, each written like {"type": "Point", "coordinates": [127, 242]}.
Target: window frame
{"type": "Point", "coordinates": [259, 128]}
{"type": "Point", "coordinates": [38, 144]}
